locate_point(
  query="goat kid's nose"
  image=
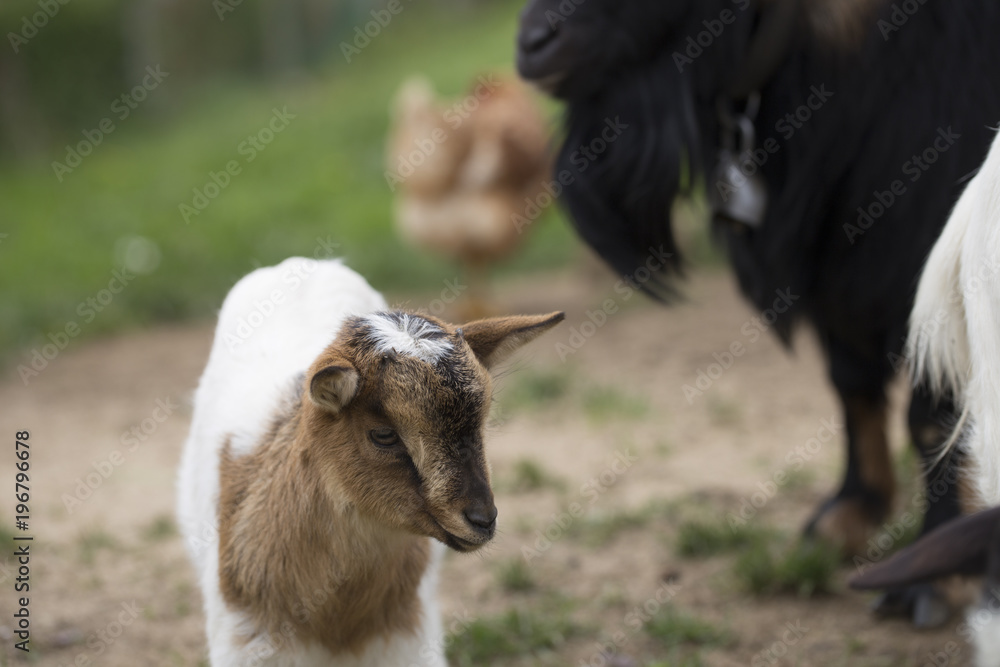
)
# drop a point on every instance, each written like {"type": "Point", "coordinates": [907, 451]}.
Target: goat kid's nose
{"type": "Point", "coordinates": [482, 516]}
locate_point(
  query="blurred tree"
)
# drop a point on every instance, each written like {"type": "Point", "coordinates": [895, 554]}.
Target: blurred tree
{"type": "Point", "coordinates": [64, 64]}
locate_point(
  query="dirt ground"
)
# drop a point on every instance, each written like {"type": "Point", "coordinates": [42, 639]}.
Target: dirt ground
{"type": "Point", "coordinates": [110, 583]}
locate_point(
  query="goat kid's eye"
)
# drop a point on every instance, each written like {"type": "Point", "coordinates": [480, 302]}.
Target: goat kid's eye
{"type": "Point", "coordinates": [384, 437]}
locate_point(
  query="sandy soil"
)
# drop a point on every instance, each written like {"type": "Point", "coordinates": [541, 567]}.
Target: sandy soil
{"type": "Point", "coordinates": [94, 559]}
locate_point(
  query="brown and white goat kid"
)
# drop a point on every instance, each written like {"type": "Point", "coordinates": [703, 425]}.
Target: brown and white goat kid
{"type": "Point", "coordinates": [955, 341]}
{"type": "Point", "coordinates": [331, 440]}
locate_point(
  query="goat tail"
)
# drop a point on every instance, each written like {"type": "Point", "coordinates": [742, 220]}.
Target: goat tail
{"type": "Point", "coordinates": [955, 326]}
{"type": "Point", "coordinates": [938, 344]}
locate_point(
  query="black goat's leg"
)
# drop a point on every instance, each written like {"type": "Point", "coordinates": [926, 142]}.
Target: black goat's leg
{"type": "Point", "coordinates": [864, 501]}
{"type": "Point", "coordinates": [930, 422]}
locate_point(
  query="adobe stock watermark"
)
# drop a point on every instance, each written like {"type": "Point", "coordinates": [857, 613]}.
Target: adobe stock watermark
{"type": "Point", "coordinates": [974, 281]}
{"type": "Point", "coordinates": [30, 25]}
{"type": "Point", "coordinates": [562, 12]}
{"type": "Point", "coordinates": [130, 441]}
{"type": "Point", "coordinates": [888, 538]}
{"type": "Point", "coordinates": [773, 654]}
{"type": "Point", "coordinates": [696, 45]}
{"type": "Point", "coordinates": [914, 169]}
{"type": "Point", "coordinates": [436, 652]}
{"type": "Point", "coordinates": [590, 492]}
{"type": "Point", "coordinates": [224, 7]}
{"type": "Point", "coordinates": [249, 149]}
{"type": "Point", "coordinates": [795, 460]}
{"type": "Point", "coordinates": [982, 622]}
{"type": "Point", "coordinates": [87, 310]}
{"type": "Point", "coordinates": [634, 621]}
{"type": "Point", "coordinates": [625, 289]}
{"type": "Point", "coordinates": [751, 330]}
{"type": "Point", "coordinates": [266, 645]}
{"type": "Point", "coordinates": [101, 641]}
{"type": "Point", "coordinates": [753, 160]}
{"type": "Point", "coordinates": [363, 35]}
{"type": "Point", "coordinates": [978, 620]}
{"type": "Point", "coordinates": [900, 16]}
{"type": "Point", "coordinates": [121, 108]}
{"type": "Point", "coordinates": [581, 159]}
{"type": "Point", "coordinates": [297, 272]}
{"type": "Point", "coordinates": [454, 116]}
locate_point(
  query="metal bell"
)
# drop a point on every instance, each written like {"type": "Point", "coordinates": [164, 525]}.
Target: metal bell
{"type": "Point", "coordinates": [734, 196]}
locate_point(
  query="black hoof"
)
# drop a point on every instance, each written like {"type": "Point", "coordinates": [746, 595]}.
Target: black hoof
{"type": "Point", "coordinates": [921, 603]}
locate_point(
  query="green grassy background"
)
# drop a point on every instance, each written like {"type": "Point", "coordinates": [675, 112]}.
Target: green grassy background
{"type": "Point", "coordinates": [321, 178]}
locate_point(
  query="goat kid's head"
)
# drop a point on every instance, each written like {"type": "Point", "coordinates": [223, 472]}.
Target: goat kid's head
{"type": "Point", "coordinates": [396, 412]}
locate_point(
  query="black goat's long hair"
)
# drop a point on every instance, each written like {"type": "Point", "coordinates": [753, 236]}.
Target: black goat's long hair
{"type": "Point", "coordinates": [620, 199]}
{"type": "Point", "coordinates": [892, 94]}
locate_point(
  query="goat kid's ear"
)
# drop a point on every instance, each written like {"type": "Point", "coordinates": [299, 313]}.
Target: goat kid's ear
{"type": "Point", "coordinates": [493, 340]}
{"type": "Point", "coordinates": [333, 387]}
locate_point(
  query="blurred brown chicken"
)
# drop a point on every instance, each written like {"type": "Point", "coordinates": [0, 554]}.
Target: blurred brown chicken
{"type": "Point", "coordinates": [462, 170]}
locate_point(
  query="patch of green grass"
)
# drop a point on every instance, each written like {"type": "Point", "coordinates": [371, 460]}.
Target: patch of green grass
{"type": "Point", "coordinates": [535, 390]}
{"type": "Point", "coordinates": [699, 538]}
{"type": "Point", "coordinates": [676, 661]}
{"type": "Point", "coordinates": [183, 597]}
{"type": "Point", "coordinates": [694, 233]}
{"type": "Point", "coordinates": [671, 627]}
{"type": "Point", "coordinates": [6, 534]}
{"type": "Point", "coordinates": [599, 529]}
{"type": "Point", "coordinates": [524, 524]}
{"type": "Point", "coordinates": [92, 541]}
{"type": "Point", "coordinates": [802, 478]}
{"type": "Point", "coordinates": [723, 411]}
{"type": "Point", "coordinates": [530, 476]}
{"type": "Point", "coordinates": [911, 532]}
{"type": "Point", "coordinates": [161, 528]}
{"type": "Point", "coordinates": [663, 448]}
{"type": "Point", "coordinates": [604, 403]}
{"type": "Point", "coordinates": [182, 608]}
{"type": "Point", "coordinates": [805, 570]}
{"type": "Point", "coordinates": [514, 633]}
{"type": "Point", "coordinates": [515, 576]}
{"type": "Point", "coordinates": [611, 596]}
{"type": "Point", "coordinates": [908, 469]}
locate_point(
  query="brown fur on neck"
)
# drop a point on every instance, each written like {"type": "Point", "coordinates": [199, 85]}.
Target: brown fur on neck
{"type": "Point", "coordinates": [291, 553]}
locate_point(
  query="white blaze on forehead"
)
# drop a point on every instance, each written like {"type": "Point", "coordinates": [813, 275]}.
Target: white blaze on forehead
{"type": "Point", "coordinates": [408, 334]}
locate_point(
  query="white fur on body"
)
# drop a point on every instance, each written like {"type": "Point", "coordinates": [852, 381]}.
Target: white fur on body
{"type": "Point", "coordinates": [955, 340]}
{"type": "Point", "coordinates": [955, 328]}
{"type": "Point", "coordinates": [272, 326]}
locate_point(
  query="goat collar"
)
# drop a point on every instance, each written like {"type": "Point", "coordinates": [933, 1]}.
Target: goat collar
{"type": "Point", "coordinates": [768, 46]}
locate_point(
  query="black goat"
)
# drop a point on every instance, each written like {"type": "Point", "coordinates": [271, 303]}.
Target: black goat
{"type": "Point", "coordinates": [833, 138]}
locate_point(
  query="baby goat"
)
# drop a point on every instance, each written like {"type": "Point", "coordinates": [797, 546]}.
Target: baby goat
{"type": "Point", "coordinates": [955, 342]}
{"type": "Point", "coordinates": [316, 472]}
